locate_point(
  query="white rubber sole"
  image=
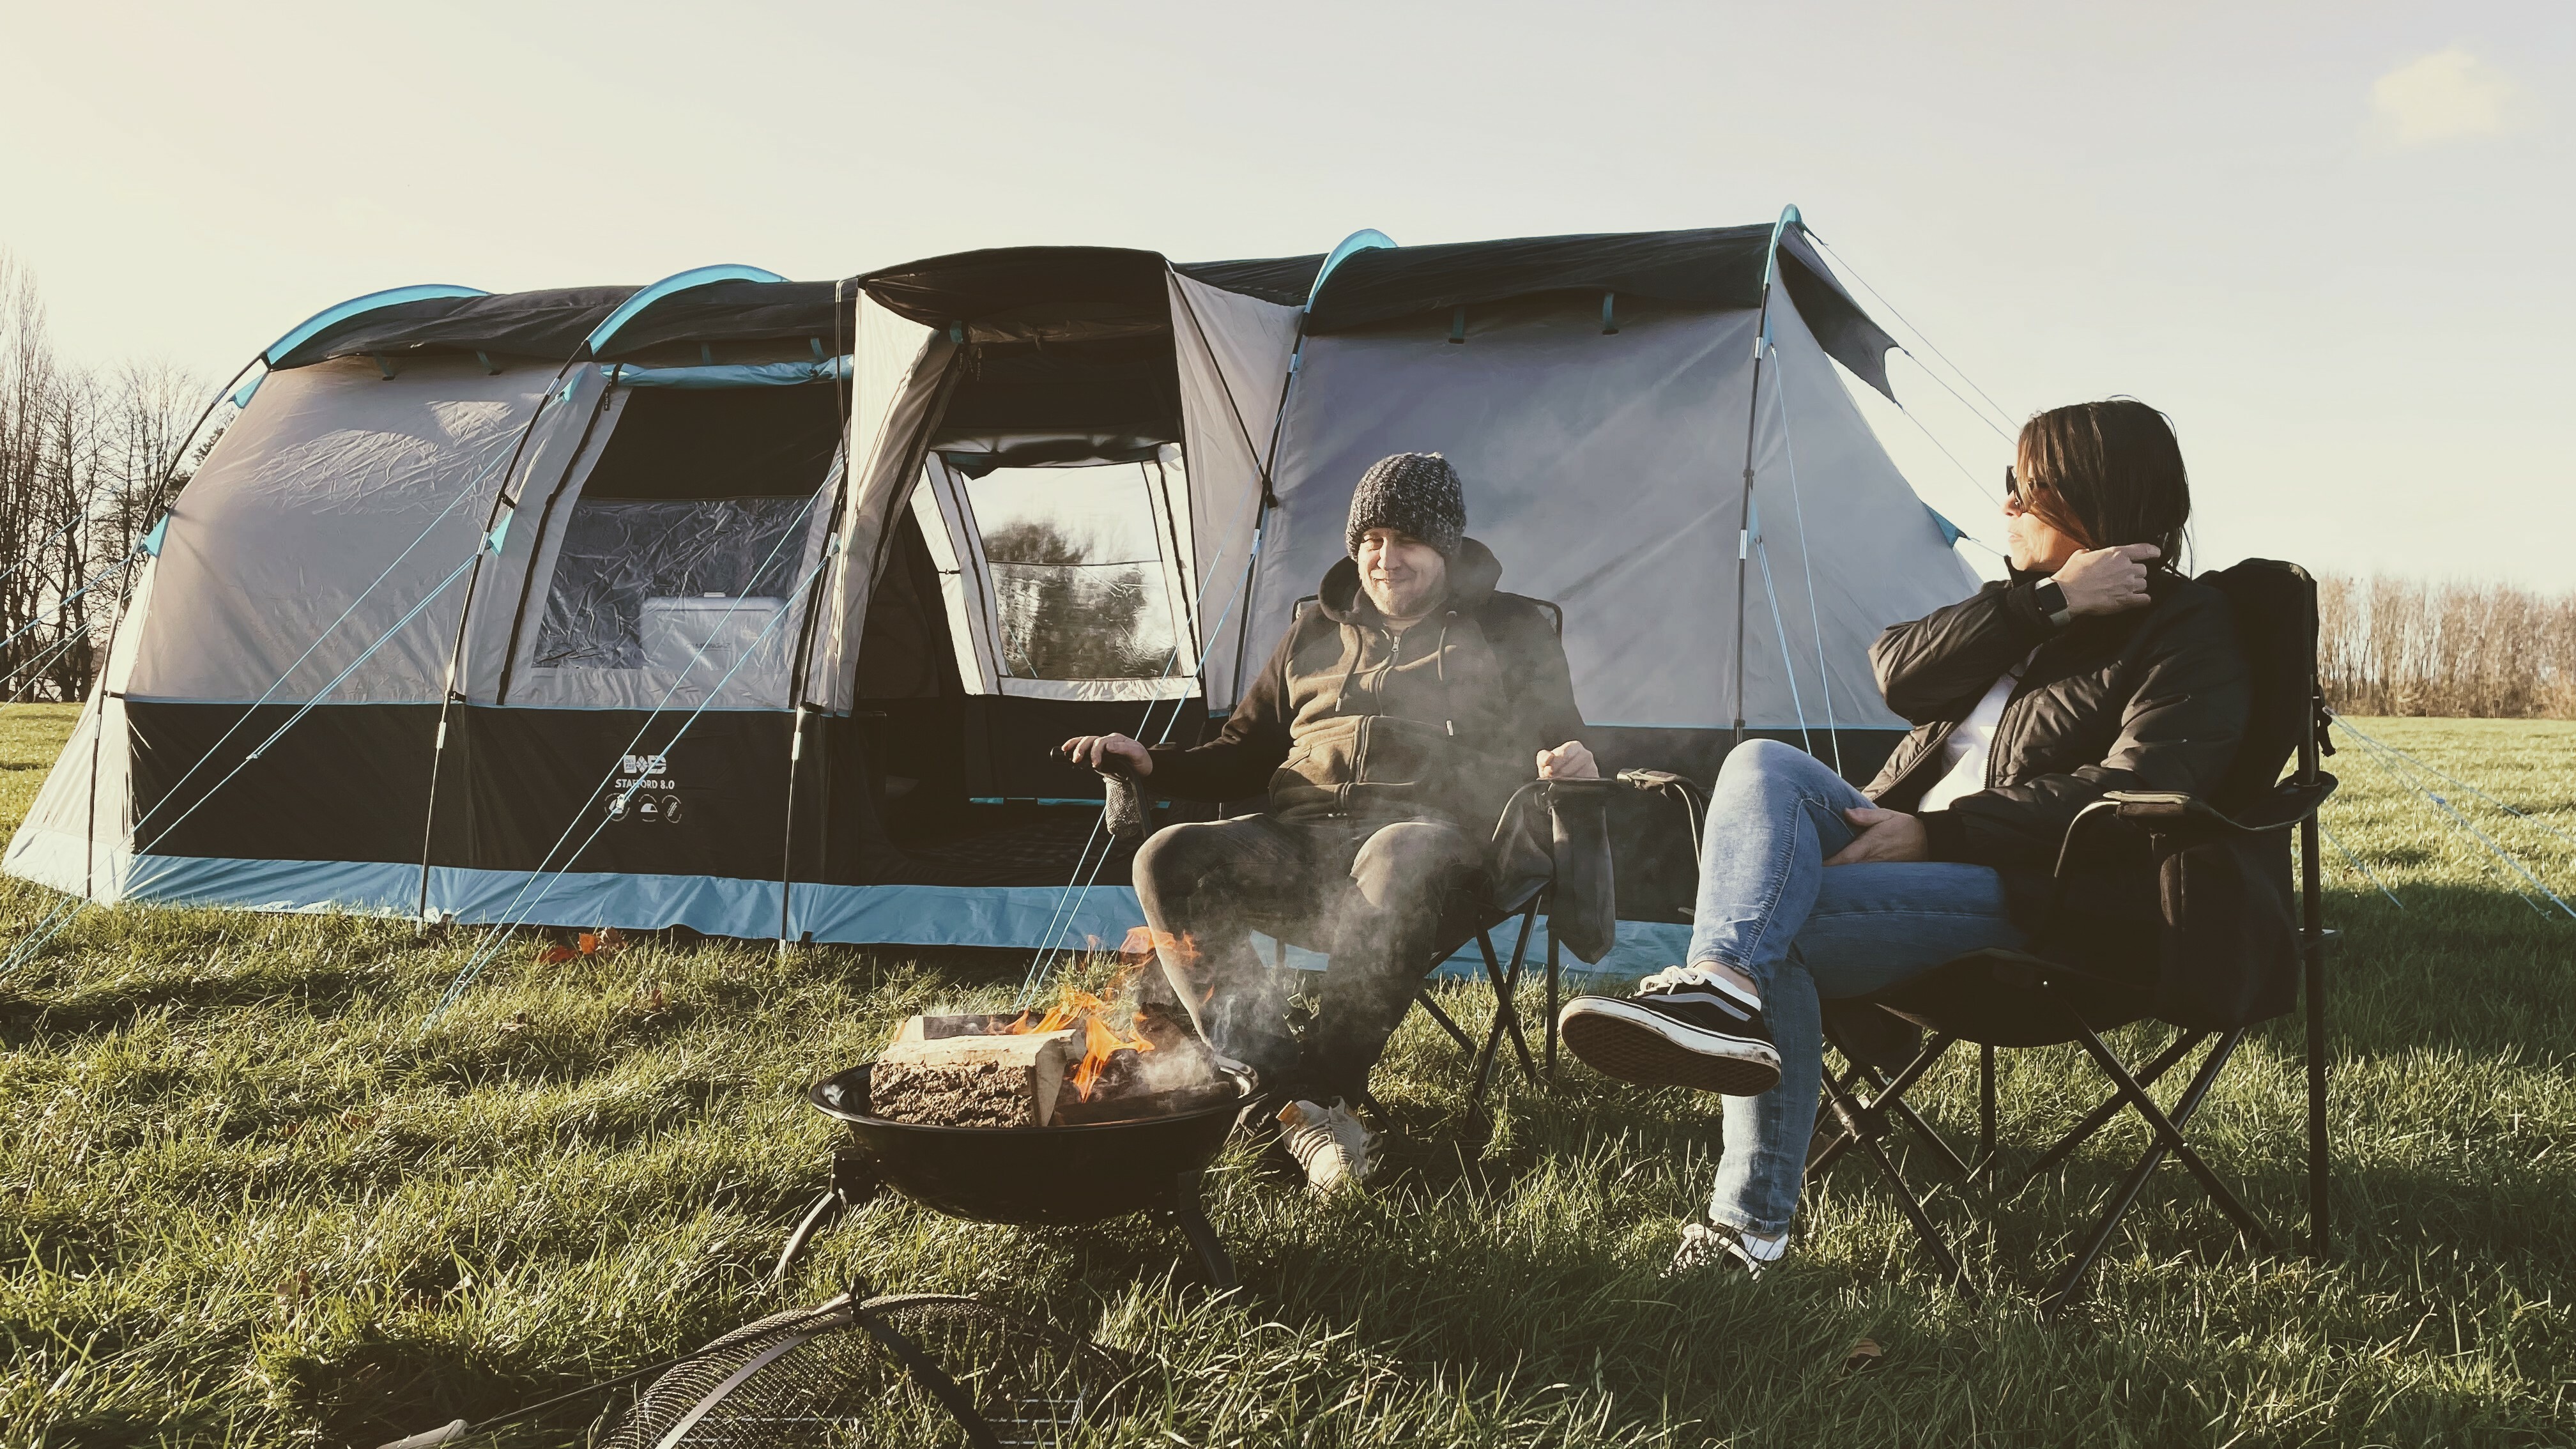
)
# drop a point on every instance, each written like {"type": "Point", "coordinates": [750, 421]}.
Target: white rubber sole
{"type": "Point", "coordinates": [1624, 1040]}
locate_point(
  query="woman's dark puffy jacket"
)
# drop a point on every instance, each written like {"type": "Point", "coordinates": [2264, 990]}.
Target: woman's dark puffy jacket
{"type": "Point", "coordinates": [2149, 699]}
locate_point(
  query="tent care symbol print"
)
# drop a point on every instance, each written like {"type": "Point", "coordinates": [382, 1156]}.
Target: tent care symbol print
{"type": "Point", "coordinates": [645, 791]}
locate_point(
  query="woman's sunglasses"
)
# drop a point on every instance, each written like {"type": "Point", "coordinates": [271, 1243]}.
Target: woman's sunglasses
{"type": "Point", "coordinates": [2013, 488]}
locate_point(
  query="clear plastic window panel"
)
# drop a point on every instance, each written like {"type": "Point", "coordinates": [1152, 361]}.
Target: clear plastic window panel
{"type": "Point", "coordinates": [671, 586]}
{"type": "Point", "coordinates": [1077, 571]}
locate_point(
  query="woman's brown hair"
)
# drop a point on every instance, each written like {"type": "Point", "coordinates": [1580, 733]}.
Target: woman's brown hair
{"type": "Point", "coordinates": [2107, 473]}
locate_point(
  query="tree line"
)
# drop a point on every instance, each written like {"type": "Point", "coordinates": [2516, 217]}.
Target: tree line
{"type": "Point", "coordinates": [82, 451]}
{"type": "Point", "coordinates": [2479, 650]}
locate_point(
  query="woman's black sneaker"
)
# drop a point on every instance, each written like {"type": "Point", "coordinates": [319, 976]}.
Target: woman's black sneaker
{"type": "Point", "coordinates": [1682, 1028]}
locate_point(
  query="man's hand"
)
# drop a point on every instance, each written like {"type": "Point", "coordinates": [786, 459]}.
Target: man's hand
{"type": "Point", "coordinates": [1094, 750]}
{"type": "Point", "coordinates": [1885, 835]}
{"type": "Point", "coordinates": [1568, 761]}
{"type": "Point", "coordinates": [2108, 580]}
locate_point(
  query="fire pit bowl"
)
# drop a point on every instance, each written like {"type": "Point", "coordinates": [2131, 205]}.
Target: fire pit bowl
{"type": "Point", "coordinates": [1062, 1175]}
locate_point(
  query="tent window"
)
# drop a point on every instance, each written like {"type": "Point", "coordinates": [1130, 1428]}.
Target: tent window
{"type": "Point", "coordinates": [1078, 570]}
{"type": "Point", "coordinates": [679, 547]}
{"type": "Point", "coordinates": [640, 583]}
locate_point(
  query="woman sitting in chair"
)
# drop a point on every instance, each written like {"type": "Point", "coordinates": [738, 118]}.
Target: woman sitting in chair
{"type": "Point", "coordinates": [2096, 667]}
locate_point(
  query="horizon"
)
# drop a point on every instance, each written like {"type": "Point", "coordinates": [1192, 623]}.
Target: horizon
{"type": "Point", "coordinates": [2306, 234]}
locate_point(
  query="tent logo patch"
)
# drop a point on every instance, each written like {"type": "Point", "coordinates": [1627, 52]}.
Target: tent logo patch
{"type": "Point", "coordinates": [645, 791]}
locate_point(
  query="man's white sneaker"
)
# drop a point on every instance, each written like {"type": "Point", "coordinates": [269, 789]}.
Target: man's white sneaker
{"type": "Point", "coordinates": [1707, 1246]}
{"type": "Point", "coordinates": [1331, 1144]}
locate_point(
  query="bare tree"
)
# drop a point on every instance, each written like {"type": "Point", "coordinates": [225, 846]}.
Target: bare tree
{"type": "Point", "coordinates": [81, 457]}
{"type": "Point", "coordinates": [2404, 646]}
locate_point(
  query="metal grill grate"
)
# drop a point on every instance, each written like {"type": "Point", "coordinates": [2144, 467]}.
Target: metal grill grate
{"type": "Point", "coordinates": [837, 1376]}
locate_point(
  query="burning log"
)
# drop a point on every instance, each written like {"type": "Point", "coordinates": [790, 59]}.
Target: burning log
{"type": "Point", "coordinates": [946, 1078]}
{"type": "Point", "coordinates": [1068, 1066]}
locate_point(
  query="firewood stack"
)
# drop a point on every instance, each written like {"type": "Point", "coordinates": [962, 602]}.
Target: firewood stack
{"type": "Point", "coordinates": [946, 1071]}
{"type": "Point", "coordinates": [972, 1071]}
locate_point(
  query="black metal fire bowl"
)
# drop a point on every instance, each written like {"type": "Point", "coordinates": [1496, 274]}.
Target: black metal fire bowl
{"type": "Point", "coordinates": [1063, 1176]}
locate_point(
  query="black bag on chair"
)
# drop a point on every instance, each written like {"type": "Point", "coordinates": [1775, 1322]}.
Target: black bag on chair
{"type": "Point", "coordinates": [2229, 953]}
{"type": "Point", "coordinates": [1565, 839]}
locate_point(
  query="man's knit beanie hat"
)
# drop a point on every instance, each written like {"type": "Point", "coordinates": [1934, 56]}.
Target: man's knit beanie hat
{"type": "Point", "coordinates": [1415, 493]}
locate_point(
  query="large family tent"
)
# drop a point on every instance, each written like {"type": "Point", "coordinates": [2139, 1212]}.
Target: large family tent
{"type": "Point", "coordinates": [759, 614]}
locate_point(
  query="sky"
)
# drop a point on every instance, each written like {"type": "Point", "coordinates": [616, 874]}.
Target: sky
{"type": "Point", "coordinates": [2330, 240]}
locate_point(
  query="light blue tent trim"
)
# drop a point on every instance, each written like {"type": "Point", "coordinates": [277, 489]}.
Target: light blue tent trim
{"type": "Point", "coordinates": [748, 374]}
{"type": "Point", "coordinates": [676, 282]}
{"type": "Point", "coordinates": [1951, 533]}
{"type": "Point", "coordinates": [1363, 240]}
{"type": "Point", "coordinates": [1789, 217]}
{"type": "Point", "coordinates": [1008, 917]}
{"type": "Point", "coordinates": [331, 316]}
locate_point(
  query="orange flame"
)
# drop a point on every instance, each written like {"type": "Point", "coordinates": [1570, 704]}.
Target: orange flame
{"type": "Point", "coordinates": [1078, 1008]}
{"type": "Point", "coordinates": [1144, 943]}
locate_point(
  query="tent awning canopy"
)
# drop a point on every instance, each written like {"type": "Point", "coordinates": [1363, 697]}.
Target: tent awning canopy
{"type": "Point", "coordinates": [968, 286]}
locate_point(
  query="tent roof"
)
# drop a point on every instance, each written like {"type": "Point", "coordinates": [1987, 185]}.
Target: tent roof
{"type": "Point", "coordinates": [1717, 267]}
{"type": "Point", "coordinates": [553, 323]}
{"type": "Point", "coordinates": [1284, 280]}
{"type": "Point", "coordinates": [550, 323]}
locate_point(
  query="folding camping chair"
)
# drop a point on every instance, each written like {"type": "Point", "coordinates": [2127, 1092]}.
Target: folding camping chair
{"type": "Point", "coordinates": [2008, 999]}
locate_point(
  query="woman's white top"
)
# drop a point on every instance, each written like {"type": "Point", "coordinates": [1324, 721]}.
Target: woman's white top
{"type": "Point", "coordinates": [1966, 750]}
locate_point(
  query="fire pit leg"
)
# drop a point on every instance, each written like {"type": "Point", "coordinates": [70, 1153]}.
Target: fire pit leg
{"type": "Point", "coordinates": [1218, 1263]}
{"type": "Point", "coordinates": [852, 1184]}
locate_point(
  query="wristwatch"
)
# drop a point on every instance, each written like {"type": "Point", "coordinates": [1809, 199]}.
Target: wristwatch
{"type": "Point", "coordinates": [2052, 602]}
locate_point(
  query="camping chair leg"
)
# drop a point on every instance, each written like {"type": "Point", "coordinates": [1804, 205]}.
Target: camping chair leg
{"type": "Point", "coordinates": [1985, 1110]}
{"type": "Point", "coordinates": [1886, 1096]}
{"type": "Point", "coordinates": [2095, 1120]}
{"type": "Point", "coordinates": [1821, 1149]}
{"type": "Point", "coordinates": [2169, 1130]}
{"type": "Point", "coordinates": [1507, 1008]}
{"type": "Point", "coordinates": [2064, 1289]}
{"type": "Point", "coordinates": [2313, 948]}
{"type": "Point", "coordinates": [1555, 979]}
{"type": "Point", "coordinates": [1457, 1033]}
{"type": "Point", "coordinates": [1494, 1031]}
{"type": "Point", "coordinates": [1858, 1130]}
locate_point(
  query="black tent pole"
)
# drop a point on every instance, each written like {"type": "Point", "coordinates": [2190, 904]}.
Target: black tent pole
{"type": "Point", "coordinates": [1752, 429]}
{"type": "Point", "coordinates": [2312, 950]}
{"type": "Point", "coordinates": [448, 695]}
{"type": "Point", "coordinates": [813, 608]}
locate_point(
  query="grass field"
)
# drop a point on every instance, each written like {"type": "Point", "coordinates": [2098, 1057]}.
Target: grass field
{"type": "Point", "coordinates": [244, 1199]}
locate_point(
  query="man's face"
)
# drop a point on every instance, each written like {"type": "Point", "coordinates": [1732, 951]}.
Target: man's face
{"type": "Point", "coordinates": [1403, 575]}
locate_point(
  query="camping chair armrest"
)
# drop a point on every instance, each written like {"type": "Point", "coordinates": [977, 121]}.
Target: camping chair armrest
{"type": "Point", "coordinates": [2188, 819]}
{"type": "Point", "coordinates": [2174, 812]}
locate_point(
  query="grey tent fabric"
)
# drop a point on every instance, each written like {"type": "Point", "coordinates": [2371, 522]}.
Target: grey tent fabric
{"type": "Point", "coordinates": [334, 479]}
{"type": "Point", "coordinates": [1604, 469]}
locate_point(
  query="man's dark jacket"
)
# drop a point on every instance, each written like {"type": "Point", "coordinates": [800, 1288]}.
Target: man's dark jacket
{"type": "Point", "coordinates": [1443, 720]}
{"type": "Point", "coordinates": [2148, 699]}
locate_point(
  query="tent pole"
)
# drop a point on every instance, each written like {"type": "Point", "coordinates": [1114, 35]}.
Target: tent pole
{"type": "Point", "coordinates": [1752, 420]}
{"type": "Point", "coordinates": [449, 696]}
{"type": "Point", "coordinates": [802, 659]}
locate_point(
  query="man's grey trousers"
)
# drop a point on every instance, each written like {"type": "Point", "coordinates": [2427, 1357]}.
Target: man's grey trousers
{"type": "Point", "coordinates": [1368, 892]}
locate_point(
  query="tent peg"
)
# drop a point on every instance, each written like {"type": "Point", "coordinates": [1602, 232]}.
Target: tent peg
{"type": "Point", "coordinates": [1458, 325]}
{"type": "Point", "coordinates": [1609, 316]}
{"type": "Point", "coordinates": [382, 366]}
{"type": "Point", "coordinates": [490, 368]}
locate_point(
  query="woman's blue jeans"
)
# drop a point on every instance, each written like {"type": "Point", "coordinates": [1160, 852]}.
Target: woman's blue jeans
{"type": "Point", "coordinates": [1771, 908]}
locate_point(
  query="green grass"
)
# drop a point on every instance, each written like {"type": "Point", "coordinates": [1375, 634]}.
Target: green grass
{"type": "Point", "coordinates": [244, 1199]}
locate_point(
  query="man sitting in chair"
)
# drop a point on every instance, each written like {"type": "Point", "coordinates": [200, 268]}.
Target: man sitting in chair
{"type": "Point", "coordinates": [1389, 730]}
{"type": "Point", "coordinates": [2096, 667]}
